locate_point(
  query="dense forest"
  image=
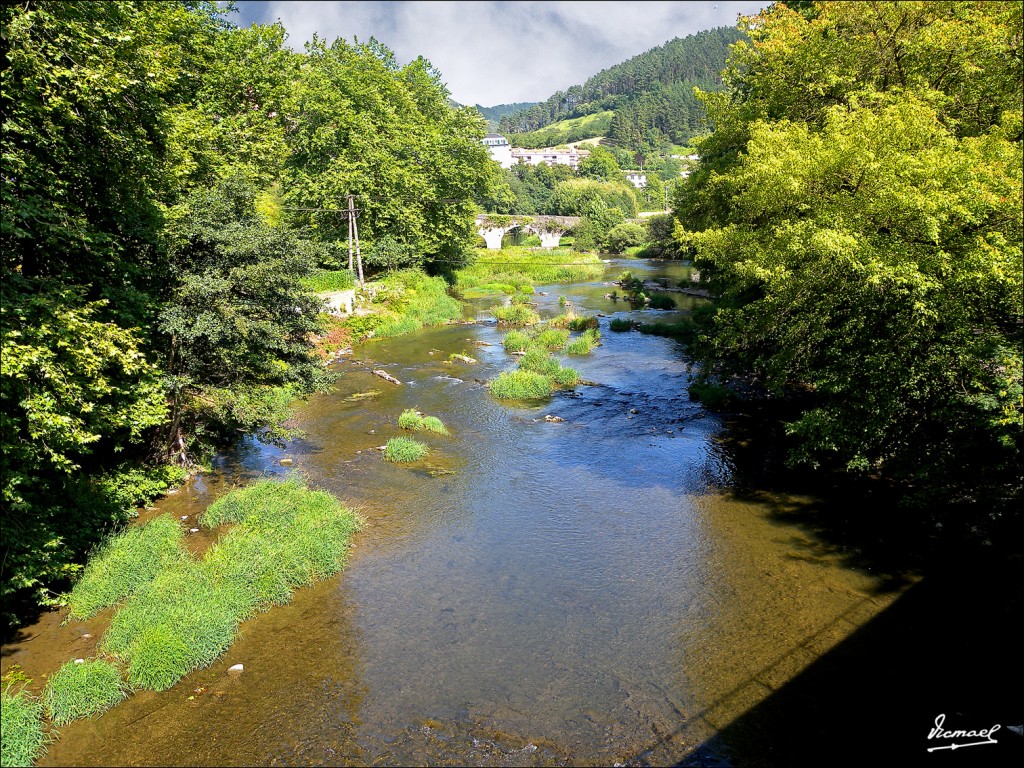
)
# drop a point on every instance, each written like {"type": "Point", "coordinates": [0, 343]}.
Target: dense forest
{"type": "Point", "coordinates": [857, 212]}
{"type": "Point", "coordinates": [652, 94]}
{"type": "Point", "coordinates": [168, 181]}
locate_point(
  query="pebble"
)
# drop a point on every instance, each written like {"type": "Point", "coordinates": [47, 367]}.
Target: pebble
{"type": "Point", "coordinates": [237, 669]}
{"type": "Point", "coordinates": [86, 636]}
{"type": "Point", "coordinates": [286, 462]}
{"type": "Point", "coordinates": [79, 661]}
{"type": "Point", "coordinates": [184, 517]}
{"type": "Point", "coordinates": [193, 530]}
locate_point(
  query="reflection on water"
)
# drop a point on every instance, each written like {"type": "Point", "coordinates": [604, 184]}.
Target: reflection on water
{"type": "Point", "coordinates": [580, 592]}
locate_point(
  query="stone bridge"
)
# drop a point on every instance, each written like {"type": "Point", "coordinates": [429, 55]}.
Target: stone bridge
{"type": "Point", "coordinates": [493, 226]}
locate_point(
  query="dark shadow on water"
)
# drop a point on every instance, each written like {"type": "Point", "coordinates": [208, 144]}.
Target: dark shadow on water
{"type": "Point", "coordinates": [950, 645]}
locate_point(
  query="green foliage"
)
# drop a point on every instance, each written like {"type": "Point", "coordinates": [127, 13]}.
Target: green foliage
{"type": "Point", "coordinates": [324, 280]}
{"type": "Point", "coordinates": [516, 315]}
{"type": "Point", "coordinates": [682, 330]}
{"type": "Point", "coordinates": [551, 338]}
{"type": "Point", "coordinates": [623, 236]}
{"type": "Point", "coordinates": [714, 396]}
{"type": "Point", "coordinates": [583, 344]}
{"type": "Point", "coordinates": [516, 341]}
{"type": "Point", "coordinates": [567, 131]}
{"type": "Point", "coordinates": [539, 361]}
{"type": "Point", "coordinates": [185, 617]}
{"type": "Point", "coordinates": [661, 301]}
{"type": "Point", "coordinates": [22, 739]}
{"type": "Point", "coordinates": [566, 377]}
{"type": "Point", "coordinates": [521, 385]}
{"type": "Point", "coordinates": [126, 562]}
{"type": "Point", "coordinates": [650, 95]}
{"type": "Point", "coordinates": [412, 419]}
{"type": "Point", "coordinates": [82, 689]}
{"type": "Point", "coordinates": [411, 300]}
{"type": "Point", "coordinates": [520, 268]}
{"type": "Point", "coordinates": [619, 325]}
{"type": "Point", "coordinates": [365, 125]}
{"type": "Point", "coordinates": [590, 197]}
{"type": "Point", "coordinates": [402, 450]}
{"type": "Point", "coordinates": [858, 213]}
{"type": "Point", "coordinates": [660, 238]}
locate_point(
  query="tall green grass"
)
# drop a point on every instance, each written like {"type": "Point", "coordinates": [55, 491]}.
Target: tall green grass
{"type": "Point", "coordinates": [516, 314]}
{"type": "Point", "coordinates": [124, 563]}
{"type": "Point", "coordinates": [414, 420]}
{"type": "Point", "coordinates": [539, 361]}
{"type": "Point", "coordinates": [514, 268]}
{"type": "Point", "coordinates": [551, 338]}
{"type": "Point", "coordinates": [186, 616]}
{"type": "Point", "coordinates": [329, 280]}
{"type": "Point", "coordinates": [82, 690]}
{"type": "Point", "coordinates": [620, 325]}
{"type": "Point", "coordinates": [22, 738]}
{"type": "Point", "coordinates": [521, 385]}
{"type": "Point", "coordinates": [402, 450]}
{"type": "Point", "coordinates": [516, 341]}
{"type": "Point", "coordinates": [582, 344]}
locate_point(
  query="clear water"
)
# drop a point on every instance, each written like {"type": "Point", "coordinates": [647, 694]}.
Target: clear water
{"type": "Point", "coordinates": [583, 592]}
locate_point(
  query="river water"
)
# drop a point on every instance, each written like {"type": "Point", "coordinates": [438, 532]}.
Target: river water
{"type": "Point", "coordinates": [585, 592]}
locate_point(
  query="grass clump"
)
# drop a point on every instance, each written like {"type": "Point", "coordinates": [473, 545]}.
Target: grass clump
{"type": "Point", "coordinates": [402, 450]}
{"type": "Point", "coordinates": [412, 419]}
{"type": "Point", "coordinates": [661, 301]}
{"type": "Point", "coordinates": [124, 563]}
{"type": "Point", "coordinates": [584, 343]}
{"type": "Point", "coordinates": [539, 361]}
{"type": "Point", "coordinates": [83, 689]}
{"type": "Point", "coordinates": [521, 385]}
{"type": "Point", "coordinates": [22, 739]}
{"type": "Point", "coordinates": [551, 338]}
{"type": "Point", "coordinates": [619, 325]}
{"type": "Point", "coordinates": [516, 315]}
{"type": "Point", "coordinates": [325, 280]}
{"type": "Point", "coordinates": [516, 341]}
{"type": "Point", "coordinates": [566, 377]}
{"type": "Point", "coordinates": [519, 297]}
{"type": "Point", "coordinates": [184, 618]}
{"type": "Point", "coordinates": [680, 330]}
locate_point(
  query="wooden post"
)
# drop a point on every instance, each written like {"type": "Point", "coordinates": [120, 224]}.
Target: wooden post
{"type": "Point", "coordinates": [355, 229]}
{"type": "Point", "coordinates": [350, 220]}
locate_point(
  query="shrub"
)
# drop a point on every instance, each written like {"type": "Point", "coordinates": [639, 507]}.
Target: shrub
{"type": "Point", "coordinates": [402, 450]}
{"type": "Point", "coordinates": [521, 385]}
{"type": "Point", "coordinates": [623, 236]}
{"type": "Point", "coordinates": [516, 341]}
{"type": "Point", "coordinates": [124, 563]}
{"type": "Point", "coordinates": [82, 690]}
{"type": "Point", "coordinates": [22, 739]}
{"type": "Point", "coordinates": [516, 314]}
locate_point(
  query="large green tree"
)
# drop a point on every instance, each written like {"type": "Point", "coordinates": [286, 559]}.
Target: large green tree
{"type": "Point", "coordinates": [857, 211]}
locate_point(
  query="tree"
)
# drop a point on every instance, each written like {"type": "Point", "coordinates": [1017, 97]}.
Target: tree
{"type": "Point", "coordinates": [861, 226]}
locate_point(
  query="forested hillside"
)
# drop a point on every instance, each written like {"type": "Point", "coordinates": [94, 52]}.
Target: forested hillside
{"type": "Point", "coordinates": [169, 180]}
{"type": "Point", "coordinates": [651, 94]}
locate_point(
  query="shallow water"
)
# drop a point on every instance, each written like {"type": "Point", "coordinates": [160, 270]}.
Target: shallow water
{"type": "Point", "coordinates": [583, 592]}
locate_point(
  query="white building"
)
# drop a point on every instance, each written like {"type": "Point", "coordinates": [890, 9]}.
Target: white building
{"type": "Point", "coordinates": [637, 178]}
{"type": "Point", "coordinates": [570, 157]}
{"type": "Point", "coordinates": [499, 148]}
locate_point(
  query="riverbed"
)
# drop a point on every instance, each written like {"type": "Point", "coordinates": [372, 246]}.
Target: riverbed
{"type": "Point", "coordinates": [588, 589]}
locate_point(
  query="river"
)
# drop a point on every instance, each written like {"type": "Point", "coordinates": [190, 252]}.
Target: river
{"type": "Point", "coordinates": [583, 592]}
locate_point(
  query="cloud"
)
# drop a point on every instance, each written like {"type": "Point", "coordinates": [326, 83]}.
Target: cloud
{"type": "Point", "coordinates": [499, 52]}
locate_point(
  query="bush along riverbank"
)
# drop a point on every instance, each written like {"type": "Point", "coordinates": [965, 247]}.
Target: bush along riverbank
{"type": "Point", "coordinates": [174, 612]}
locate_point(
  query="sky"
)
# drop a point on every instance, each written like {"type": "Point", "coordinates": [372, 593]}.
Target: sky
{"type": "Point", "coordinates": [492, 53]}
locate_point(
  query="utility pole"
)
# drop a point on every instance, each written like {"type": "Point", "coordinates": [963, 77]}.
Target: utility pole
{"type": "Point", "coordinates": [353, 231]}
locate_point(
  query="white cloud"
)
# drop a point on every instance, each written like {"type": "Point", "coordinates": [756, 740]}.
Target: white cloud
{"type": "Point", "coordinates": [499, 52]}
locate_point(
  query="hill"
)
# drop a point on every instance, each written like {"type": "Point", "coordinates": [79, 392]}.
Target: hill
{"type": "Point", "coordinates": [650, 95]}
{"type": "Point", "coordinates": [494, 114]}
